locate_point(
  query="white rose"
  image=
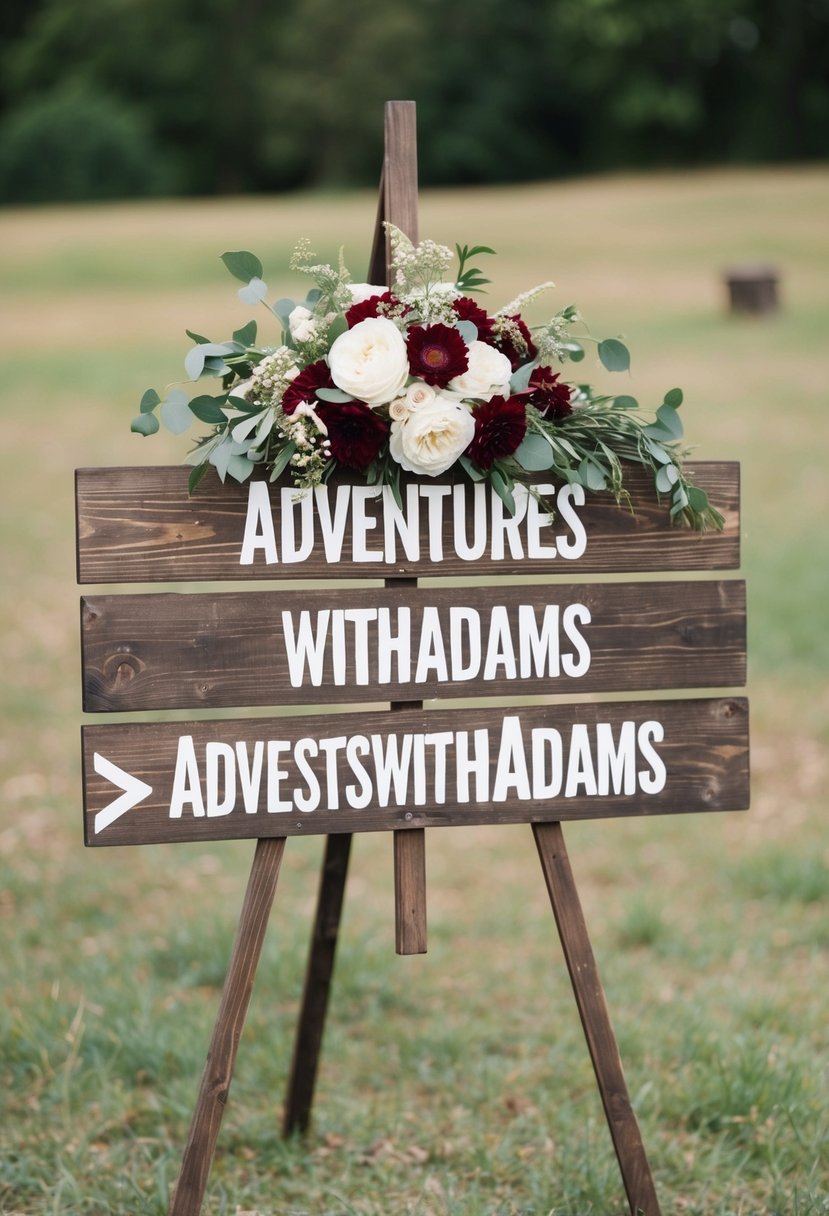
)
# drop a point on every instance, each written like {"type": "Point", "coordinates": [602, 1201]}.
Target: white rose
{"type": "Point", "coordinates": [432, 437]}
{"type": "Point", "coordinates": [417, 394]}
{"type": "Point", "coordinates": [301, 323]}
{"type": "Point", "coordinates": [370, 361]}
{"type": "Point", "coordinates": [488, 374]}
{"type": "Point", "coordinates": [364, 291]}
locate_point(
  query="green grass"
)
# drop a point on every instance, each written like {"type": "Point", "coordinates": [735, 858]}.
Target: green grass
{"type": "Point", "coordinates": [455, 1084]}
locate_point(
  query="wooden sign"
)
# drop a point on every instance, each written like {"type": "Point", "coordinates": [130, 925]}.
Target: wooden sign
{"type": "Point", "coordinates": [405, 768]}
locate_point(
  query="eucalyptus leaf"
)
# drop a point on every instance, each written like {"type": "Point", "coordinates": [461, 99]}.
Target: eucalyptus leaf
{"type": "Point", "coordinates": [254, 292]}
{"type": "Point", "coordinates": [591, 475]}
{"type": "Point", "coordinates": [666, 477]}
{"type": "Point", "coordinates": [338, 326]}
{"type": "Point", "coordinates": [240, 468]}
{"type": "Point", "coordinates": [697, 498]}
{"type": "Point", "coordinates": [200, 338]}
{"type": "Point", "coordinates": [283, 309]}
{"type": "Point", "coordinates": [175, 414]}
{"type": "Point", "coordinates": [625, 402]}
{"type": "Point", "coordinates": [145, 424]}
{"type": "Point", "coordinates": [667, 416]}
{"type": "Point", "coordinates": [246, 336]}
{"type": "Point", "coordinates": [674, 398]}
{"type": "Point", "coordinates": [534, 453]}
{"type": "Point", "coordinates": [520, 379]}
{"type": "Point", "coordinates": [657, 451]}
{"type": "Point", "coordinates": [243, 265]}
{"type": "Point", "coordinates": [614, 355]}
{"type": "Point", "coordinates": [149, 401]}
{"type": "Point", "coordinates": [336, 395]}
{"type": "Point", "coordinates": [467, 331]}
{"type": "Point", "coordinates": [208, 409]}
{"type": "Point", "coordinates": [575, 351]}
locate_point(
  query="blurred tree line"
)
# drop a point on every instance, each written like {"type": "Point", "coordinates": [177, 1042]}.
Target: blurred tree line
{"type": "Point", "coordinates": [113, 98]}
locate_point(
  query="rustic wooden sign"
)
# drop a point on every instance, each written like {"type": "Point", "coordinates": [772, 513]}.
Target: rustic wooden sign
{"type": "Point", "coordinates": [404, 768]}
{"type": "Point", "coordinates": [291, 648]}
{"type": "Point", "coordinates": [142, 526]}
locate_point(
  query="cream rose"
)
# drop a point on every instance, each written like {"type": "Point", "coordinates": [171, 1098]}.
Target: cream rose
{"type": "Point", "coordinates": [487, 375]}
{"type": "Point", "coordinates": [432, 438]}
{"type": "Point", "coordinates": [370, 361]}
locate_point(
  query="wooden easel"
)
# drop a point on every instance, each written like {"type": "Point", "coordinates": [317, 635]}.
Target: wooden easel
{"type": "Point", "coordinates": [397, 205]}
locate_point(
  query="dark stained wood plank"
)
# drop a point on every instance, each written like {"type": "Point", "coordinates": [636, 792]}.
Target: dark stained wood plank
{"type": "Point", "coordinates": [442, 767]}
{"type": "Point", "coordinates": [410, 934]}
{"type": "Point", "coordinates": [221, 1057]}
{"type": "Point", "coordinates": [595, 1019]}
{"type": "Point", "coordinates": [318, 977]}
{"type": "Point", "coordinates": [141, 525]}
{"type": "Point", "coordinates": [165, 651]}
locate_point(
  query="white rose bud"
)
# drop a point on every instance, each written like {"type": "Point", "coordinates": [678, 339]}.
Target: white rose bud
{"type": "Point", "coordinates": [433, 437]}
{"type": "Point", "coordinates": [361, 292]}
{"type": "Point", "coordinates": [370, 361]}
{"type": "Point", "coordinates": [301, 323]}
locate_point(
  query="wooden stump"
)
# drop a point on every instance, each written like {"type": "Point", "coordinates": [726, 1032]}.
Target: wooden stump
{"type": "Point", "coordinates": [752, 289]}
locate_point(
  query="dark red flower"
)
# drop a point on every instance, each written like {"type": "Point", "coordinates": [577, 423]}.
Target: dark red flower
{"type": "Point", "coordinates": [500, 425]}
{"type": "Point", "coordinates": [356, 433]}
{"type": "Point", "coordinates": [368, 308]}
{"type": "Point", "coordinates": [304, 387]}
{"type": "Point", "coordinates": [467, 309]}
{"type": "Point", "coordinates": [549, 396]}
{"type": "Point", "coordinates": [518, 347]}
{"type": "Point", "coordinates": [437, 353]}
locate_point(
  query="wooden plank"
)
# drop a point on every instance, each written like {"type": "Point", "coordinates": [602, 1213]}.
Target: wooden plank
{"type": "Point", "coordinates": [410, 934]}
{"type": "Point", "coordinates": [595, 1019]}
{"type": "Point", "coordinates": [315, 996]}
{"type": "Point", "coordinates": [362, 772]}
{"type": "Point", "coordinates": [221, 1057]}
{"type": "Point", "coordinates": [141, 525]}
{"type": "Point", "coordinates": [226, 649]}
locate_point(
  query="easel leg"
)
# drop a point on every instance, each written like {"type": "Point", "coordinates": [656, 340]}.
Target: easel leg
{"type": "Point", "coordinates": [595, 1019]}
{"type": "Point", "coordinates": [221, 1056]}
{"type": "Point", "coordinates": [308, 1044]}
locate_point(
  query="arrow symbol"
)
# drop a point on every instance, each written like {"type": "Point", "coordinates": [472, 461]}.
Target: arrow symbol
{"type": "Point", "coordinates": [135, 791]}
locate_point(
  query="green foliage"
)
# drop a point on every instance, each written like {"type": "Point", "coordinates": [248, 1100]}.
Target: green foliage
{"type": "Point", "coordinates": [75, 143]}
{"type": "Point", "coordinates": [245, 96]}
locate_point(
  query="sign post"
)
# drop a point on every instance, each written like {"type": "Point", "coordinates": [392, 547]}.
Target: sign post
{"type": "Point", "coordinates": [406, 768]}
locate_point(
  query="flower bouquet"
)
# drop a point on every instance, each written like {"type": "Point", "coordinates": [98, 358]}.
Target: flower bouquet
{"type": "Point", "coordinates": [418, 377]}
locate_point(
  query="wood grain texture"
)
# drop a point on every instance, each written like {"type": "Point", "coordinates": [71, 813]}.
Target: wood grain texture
{"type": "Point", "coordinates": [704, 751]}
{"type": "Point", "coordinates": [140, 525]}
{"type": "Point", "coordinates": [167, 651]}
{"type": "Point", "coordinates": [410, 927]}
{"type": "Point", "coordinates": [221, 1056]}
{"type": "Point", "coordinates": [595, 1019]}
{"type": "Point", "coordinates": [315, 997]}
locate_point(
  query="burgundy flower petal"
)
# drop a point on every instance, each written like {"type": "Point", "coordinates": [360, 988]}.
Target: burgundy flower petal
{"type": "Point", "coordinates": [517, 353]}
{"type": "Point", "coordinates": [366, 309]}
{"type": "Point", "coordinates": [549, 396]}
{"type": "Point", "coordinates": [500, 425]}
{"type": "Point", "coordinates": [468, 309]}
{"type": "Point", "coordinates": [356, 433]}
{"type": "Point", "coordinates": [304, 387]}
{"type": "Point", "coordinates": [437, 353]}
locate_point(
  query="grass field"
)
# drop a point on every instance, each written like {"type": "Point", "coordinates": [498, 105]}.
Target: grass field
{"type": "Point", "coordinates": [455, 1084]}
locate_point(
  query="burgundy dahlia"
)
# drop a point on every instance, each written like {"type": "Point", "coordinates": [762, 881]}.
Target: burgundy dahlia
{"type": "Point", "coordinates": [500, 425]}
{"type": "Point", "coordinates": [517, 345]}
{"type": "Point", "coordinates": [304, 387]}
{"type": "Point", "coordinates": [437, 353]}
{"type": "Point", "coordinates": [367, 309]}
{"type": "Point", "coordinates": [549, 396]}
{"type": "Point", "coordinates": [466, 309]}
{"type": "Point", "coordinates": [356, 433]}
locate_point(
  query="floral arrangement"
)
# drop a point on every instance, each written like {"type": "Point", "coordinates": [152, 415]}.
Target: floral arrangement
{"type": "Point", "coordinates": [418, 377]}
